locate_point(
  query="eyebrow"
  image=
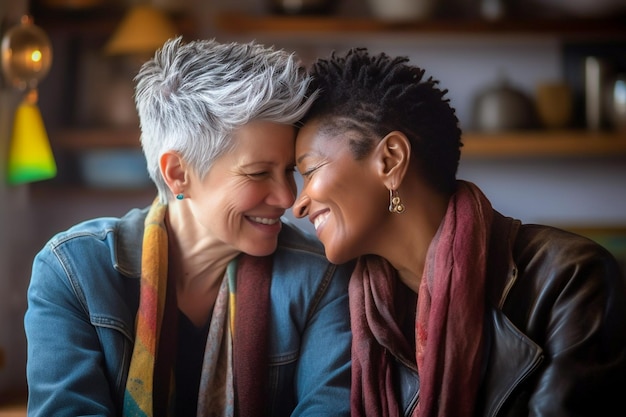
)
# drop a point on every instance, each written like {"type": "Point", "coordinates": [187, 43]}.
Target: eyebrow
{"type": "Point", "coordinates": [259, 162]}
{"type": "Point", "coordinates": [302, 157]}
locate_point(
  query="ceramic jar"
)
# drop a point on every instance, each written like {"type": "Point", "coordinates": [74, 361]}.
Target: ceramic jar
{"type": "Point", "coordinates": [501, 107]}
{"type": "Point", "coordinates": [402, 10]}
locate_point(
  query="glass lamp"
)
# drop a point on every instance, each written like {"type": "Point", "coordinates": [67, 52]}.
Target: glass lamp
{"type": "Point", "coordinates": [26, 59]}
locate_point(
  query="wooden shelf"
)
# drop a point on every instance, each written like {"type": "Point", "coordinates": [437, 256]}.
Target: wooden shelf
{"type": "Point", "coordinates": [533, 144]}
{"type": "Point", "coordinates": [83, 139]}
{"type": "Point", "coordinates": [234, 22]}
{"type": "Point", "coordinates": [527, 144]}
{"type": "Point", "coordinates": [98, 21]}
{"type": "Point", "coordinates": [50, 191]}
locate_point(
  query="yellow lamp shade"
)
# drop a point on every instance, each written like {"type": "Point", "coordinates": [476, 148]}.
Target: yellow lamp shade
{"type": "Point", "coordinates": [30, 155]}
{"type": "Point", "coordinates": [143, 30]}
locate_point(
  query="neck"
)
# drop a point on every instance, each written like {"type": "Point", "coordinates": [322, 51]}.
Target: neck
{"type": "Point", "coordinates": [197, 263]}
{"type": "Point", "coordinates": [409, 235]}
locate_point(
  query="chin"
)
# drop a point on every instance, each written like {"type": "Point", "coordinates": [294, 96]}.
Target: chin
{"type": "Point", "coordinates": [264, 249]}
{"type": "Point", "coordinates": [338, 258]}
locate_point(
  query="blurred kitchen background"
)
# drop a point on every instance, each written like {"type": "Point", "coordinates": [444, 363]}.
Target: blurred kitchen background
{"type": "Point", "coordinates": [539, 87]}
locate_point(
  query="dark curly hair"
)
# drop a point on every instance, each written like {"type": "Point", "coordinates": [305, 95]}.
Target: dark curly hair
{"type": "Point", "coordinates": [373, 95]}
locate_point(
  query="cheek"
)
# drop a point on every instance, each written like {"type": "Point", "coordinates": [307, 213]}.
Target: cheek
{"type": "Point", "coordinates": [362, 209]}
{"type": "Point", "coordinates": [225, 199]}
{"type": "Point", "coordinates": [327, 186]}
{"type": "Point", "coordinates": [244, 197]}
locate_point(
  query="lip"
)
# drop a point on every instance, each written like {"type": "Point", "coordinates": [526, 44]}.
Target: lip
{"type": "Point", "coordinates": [269, 223]}
{"type": "Point", "coordinates": [313, 217]}
{"type": "Point", "coordinates": [264, 220]}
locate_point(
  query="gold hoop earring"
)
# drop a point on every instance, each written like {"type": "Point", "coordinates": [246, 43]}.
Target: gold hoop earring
{"type": "Point", "coordinates": [395, 204]}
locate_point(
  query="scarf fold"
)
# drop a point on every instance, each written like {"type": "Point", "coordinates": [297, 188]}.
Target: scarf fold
{"type": "Point", "coordinates": [235, 360]}
{"type": "Point", "coordinates": [216, 379]}
{"type": "Point", "coordinates": [138, 397]}
{"type": "Point", "coordinates": [449, 319]}
{"type": "Point", "coordinates": [375, 330]}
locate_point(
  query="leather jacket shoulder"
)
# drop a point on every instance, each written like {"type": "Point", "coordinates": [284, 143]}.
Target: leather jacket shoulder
{"type": "Point", "coordinates": [556, 332]}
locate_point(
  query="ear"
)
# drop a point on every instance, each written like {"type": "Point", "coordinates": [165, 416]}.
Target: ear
{"type": "Point", "coordinates": [173, 171]}
{"type": "Point", "coordinates": [394, 155]}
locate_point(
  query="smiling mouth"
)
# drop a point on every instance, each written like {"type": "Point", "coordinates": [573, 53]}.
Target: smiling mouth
{"type": "Point", "coordinates": [319, 220]}
{"type": "Point", "coordinates": [264, 220]}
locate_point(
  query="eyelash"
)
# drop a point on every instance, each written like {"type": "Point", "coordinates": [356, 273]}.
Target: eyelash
{"type": "Point", "coordinates": [309, 172]}
{"type": "Point", "coordinates": [257, 174]}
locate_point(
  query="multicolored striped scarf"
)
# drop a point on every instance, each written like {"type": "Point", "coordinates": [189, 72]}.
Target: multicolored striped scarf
{"type": "Point", "coordinates": [235, 362]}
{"type": "Point", "coordinates": [138, 398]}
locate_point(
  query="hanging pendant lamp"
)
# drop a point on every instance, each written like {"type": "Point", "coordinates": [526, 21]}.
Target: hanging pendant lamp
{"type": "Point", "coordinates": [26, 59]}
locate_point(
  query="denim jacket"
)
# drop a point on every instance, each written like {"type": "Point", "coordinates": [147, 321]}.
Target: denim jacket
{"type": "Point", "coordinates": [80, 323]}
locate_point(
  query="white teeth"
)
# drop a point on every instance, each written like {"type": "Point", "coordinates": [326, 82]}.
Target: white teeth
{"type": "Point", "coordinates": [319, 220]}
{"type": "Point", "coordinates": [264, 220]}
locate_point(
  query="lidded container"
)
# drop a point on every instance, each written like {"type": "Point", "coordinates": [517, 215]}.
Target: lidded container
{"type": "Point", "coordinates": [501, 107]}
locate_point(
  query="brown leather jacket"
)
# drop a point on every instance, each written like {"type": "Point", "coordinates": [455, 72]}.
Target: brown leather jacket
{"type": "Point", "coordinates": [556, 327]}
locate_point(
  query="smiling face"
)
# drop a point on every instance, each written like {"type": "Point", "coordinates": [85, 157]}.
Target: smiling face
{"type": "Point", "coordinates": [248, 189]}
{"type": "Point", "coordinates": [343, 197]}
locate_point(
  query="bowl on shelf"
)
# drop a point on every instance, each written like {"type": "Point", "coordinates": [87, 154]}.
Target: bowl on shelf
{"type": "Point", "coordinates": [114, 168]}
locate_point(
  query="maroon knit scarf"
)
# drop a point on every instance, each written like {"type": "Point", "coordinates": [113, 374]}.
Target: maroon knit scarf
{"type": "Point", "coordinates": [449, 323]}
{"type": "Point", "coordinates": [250, 344]}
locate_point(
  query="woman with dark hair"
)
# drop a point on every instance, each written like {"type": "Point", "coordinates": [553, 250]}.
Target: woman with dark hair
{"type": "Point", "coordinates": [456, 309]}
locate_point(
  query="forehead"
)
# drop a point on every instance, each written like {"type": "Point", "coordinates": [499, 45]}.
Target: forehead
{"type": "Point", "coordinates": [314, 142]}
{"type": "Point", "coordinates": [316, 134]}
{"type": "Point", "coordinates": [327, 129]}
{"type": "Point", "coordinates": [337, 133]}
{"type": "Point", "coordinates": [262, 141]}
{"type": "Point", "coordinates": [261, 133]}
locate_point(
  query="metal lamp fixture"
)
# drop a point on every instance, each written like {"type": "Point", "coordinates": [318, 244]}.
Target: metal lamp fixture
{"type": "Point", "coordinates": [26, 59]}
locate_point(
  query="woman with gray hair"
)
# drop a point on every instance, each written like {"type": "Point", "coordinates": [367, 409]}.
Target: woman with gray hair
{"type": "Point", "coordinates": [207, 302]}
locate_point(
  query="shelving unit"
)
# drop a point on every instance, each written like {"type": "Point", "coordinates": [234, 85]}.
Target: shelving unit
{"type": "Point", "coordinates": [519, 144]}
{"type": "Point", "coordinates": [235, 22]}
{"type": "Point", "coordinates": [66, 138]}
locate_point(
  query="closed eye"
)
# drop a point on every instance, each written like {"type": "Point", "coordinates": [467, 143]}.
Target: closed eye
{"type": "Point", "coordinates": [258, 174]}
{"type": "Point", "coordinates": [308, 172]}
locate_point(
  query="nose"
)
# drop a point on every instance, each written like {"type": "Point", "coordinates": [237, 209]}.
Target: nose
{"type": "Point", "coordinates": [301, 207]}
{"type": "Point", "coordinates": [284, 193]}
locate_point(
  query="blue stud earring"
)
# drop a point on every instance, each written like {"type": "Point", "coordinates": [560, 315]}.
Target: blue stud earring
{"type": "Point", "coordinates": [180, 196]}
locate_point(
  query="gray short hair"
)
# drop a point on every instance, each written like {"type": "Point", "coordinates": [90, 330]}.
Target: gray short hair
{"type": "Point", "coordinates": [192, 96]}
